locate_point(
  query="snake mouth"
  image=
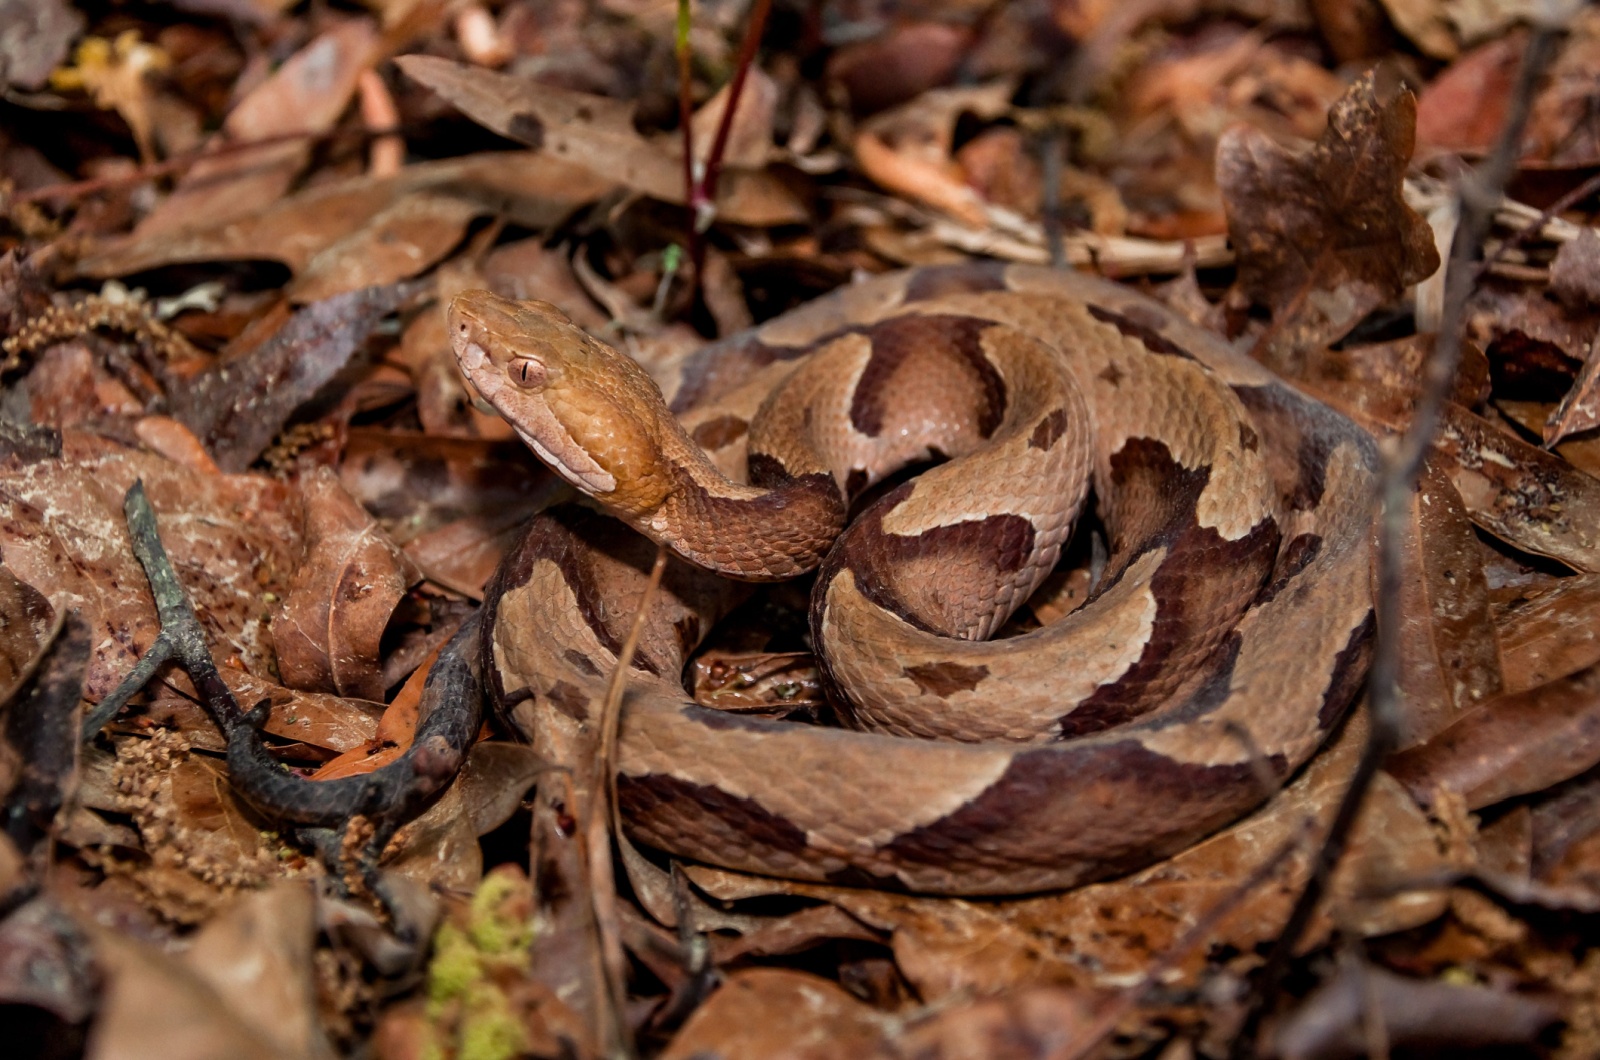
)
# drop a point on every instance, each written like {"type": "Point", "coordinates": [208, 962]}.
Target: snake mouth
{"type": "Point", "coordinates": [566, 457]}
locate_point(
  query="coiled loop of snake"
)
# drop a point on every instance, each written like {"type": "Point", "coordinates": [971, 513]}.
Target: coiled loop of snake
{"type": "Point", "coordinates": [1234, 601]}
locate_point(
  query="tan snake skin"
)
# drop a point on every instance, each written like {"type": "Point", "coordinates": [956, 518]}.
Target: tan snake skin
{"type": "Point", "coordinates": [1227, 634]}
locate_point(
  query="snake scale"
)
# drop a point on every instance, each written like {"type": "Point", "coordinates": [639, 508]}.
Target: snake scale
{"type": "Point", "coordinates": [1227, 634]}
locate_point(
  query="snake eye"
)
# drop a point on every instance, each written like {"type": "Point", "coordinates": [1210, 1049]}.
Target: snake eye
{"type": "Point", "coordinates": [526, 372]}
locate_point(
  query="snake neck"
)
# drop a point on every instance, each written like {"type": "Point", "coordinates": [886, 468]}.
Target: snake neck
{"type": "Point", "coordinates": [781, 527]}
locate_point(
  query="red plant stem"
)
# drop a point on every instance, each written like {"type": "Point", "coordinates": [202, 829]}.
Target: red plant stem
{"type": "Point", "coordinates": [685, 114]}
{"type": "Point", "coordinates": [707, 190]}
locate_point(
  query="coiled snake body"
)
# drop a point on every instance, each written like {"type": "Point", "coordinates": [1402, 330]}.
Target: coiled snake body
{"type": "Point", "coordinates": [1227, 634]}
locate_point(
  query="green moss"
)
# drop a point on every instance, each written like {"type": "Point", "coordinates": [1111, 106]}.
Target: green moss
{"type": "Point", "coordinates": [466, 1004]}
{"type": "Point", "coordinates": [489, 1029]}
{"type": "Point", "coordinates": [493, 926]}
{"type": "Point", "coordinates": [456, 965]}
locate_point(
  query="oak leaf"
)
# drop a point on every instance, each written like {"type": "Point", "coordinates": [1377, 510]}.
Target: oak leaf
{"type": "Point", "coordinates": [1325, 237]}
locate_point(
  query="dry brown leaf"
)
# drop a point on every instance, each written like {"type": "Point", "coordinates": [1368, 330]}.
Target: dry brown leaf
{"type": "Point", "coordinates": [1565, 822]}
{"type": "Point", "coordinates": [1355, 30]}
{"type": "Point", "coordinates": [416, 483]}
{"type": "Point", "coordinates": [1521, 493]}
{"type": "Point", "coordinates": [756, 682]}
{"type": "Point", "coordinates": [1518, 743]}
{"type": "Point", "coordinates": [38, 34]}
{"type": "Point", "coordinates": [908, 150]}
{"type": "Point", "coordinates": [25, 619]}
{"type": "Point", "coordinates": [1392, 372]}
{"type": "Point", "coordinates": [1325, 237]}
{"type": "Point", "coordinates": [304, 96]}
{"type": "Point", "coordinates": [898, 65]}
{"type": "Point", "coordinates": [772, 1013]}
{"type": "Point", "coordinates": [301, 231]}
{"type": "Point", "coordinates": [750, 136]}
{"type": "Point", "coordinates": [47, 960]}
{"type": "Point", "coordinates": [394, 732]}
{"type": "Point", "coordinates": [1040, 1023]}
{"type": "Point", "coordinates": [1581, 451]}
{"type": "Point", "coordinates": [315, 721]}
{"type": "Point", "coordinates": [69, 386]}
{"type": "Point", "coordinates": [328, 629]}
{"type": "Point", "coordinates": [1575, 272]}
{"type": "Point", "coordinates": [167, 437]}
{"type": "Point", "coordinates": [1337, 1021]}
{"type": "Point", "coordinates": [395, 243]}
{"type": "Point", "coordinates": [1449, 653]}
{"type": "Point", "coordinates": [597, 133]}
{"type": "Point", "coordinates": [1575, 281]}
{"type": "Point", "coordinates": [526, 268]}
{"type": "Point", "coordinates": [1551, 636]}
{"type": "Point", "coordinates": [231, 537]}
{"type": "Point", "coordinates": [39, 730]}
{"type": "Point", "coordinates": [238, 407]}
{"type": "Point", "coordinates": [1536, 344]}
{"type": "Point", "coordinates": [1561, 128]}
{"type": "Point", "coordinates": [257, 955]}
{"type": "Point", "coordinates": [154, 1005]}
{"type": "Point", "coordinates": [1464, 108]}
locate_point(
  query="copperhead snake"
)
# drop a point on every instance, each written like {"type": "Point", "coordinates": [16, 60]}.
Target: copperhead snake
{"type": "Point", "coordinates": [1227, 635]}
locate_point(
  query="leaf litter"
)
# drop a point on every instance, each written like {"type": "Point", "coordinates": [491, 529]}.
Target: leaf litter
{"type": "Point", "coordinates": [228, 232]}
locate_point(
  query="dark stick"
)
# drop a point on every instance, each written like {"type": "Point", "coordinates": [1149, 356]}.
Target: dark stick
{"type": "Point", "coordinates": [180, 636]}
{"type": "Point", "coordinates": [451, 710]}
{"type": "Point", "coordinates": [1479, 193]}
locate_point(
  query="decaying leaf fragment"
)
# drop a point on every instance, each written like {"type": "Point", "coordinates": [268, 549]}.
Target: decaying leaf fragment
{"type": "Point", "coordinates": [231, 537]}
{"type": "Point", "coordinates": [1575, 282]}
{"type": "Point", "coordinates": [908, 150]}
{"type": "Point", "coordinates": [1552, 635]}
{"type": "Point", "coordinates": [239, 407]}
{"type": "Point", "coordinates": [1519, 492]}
{"type": "Point", "coordinates": [1449, 655]}
{"type": "Point", "coordinates": [1325, 237]}
{"type": "Point", "coordinates": [1340, 1019]}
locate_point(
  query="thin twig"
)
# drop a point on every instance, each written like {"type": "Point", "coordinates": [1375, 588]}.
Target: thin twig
{"type": "Point", "coordinates": [1479, 193]}
{"type": "Point", "coordinates": [209, 150]}
{"type": "Point", "coordinates": [707, 191]}
{"type": "Point", "coordinates": [1533, 227]}
{"type": "Point", "coordinates": [603, 798]}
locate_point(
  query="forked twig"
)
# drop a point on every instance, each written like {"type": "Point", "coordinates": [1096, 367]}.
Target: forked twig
{"type": "Point", "coordinates": [1478, 193]}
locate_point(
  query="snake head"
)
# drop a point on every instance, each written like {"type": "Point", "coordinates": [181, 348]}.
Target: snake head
{"type": "Point", "coordinates": [589, 412]}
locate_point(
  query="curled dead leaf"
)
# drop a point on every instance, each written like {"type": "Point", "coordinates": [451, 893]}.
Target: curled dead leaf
{"type": "Point", "coordinates": [329, 627]}
{"type": "Point", "coordinates": [1325, 237]}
